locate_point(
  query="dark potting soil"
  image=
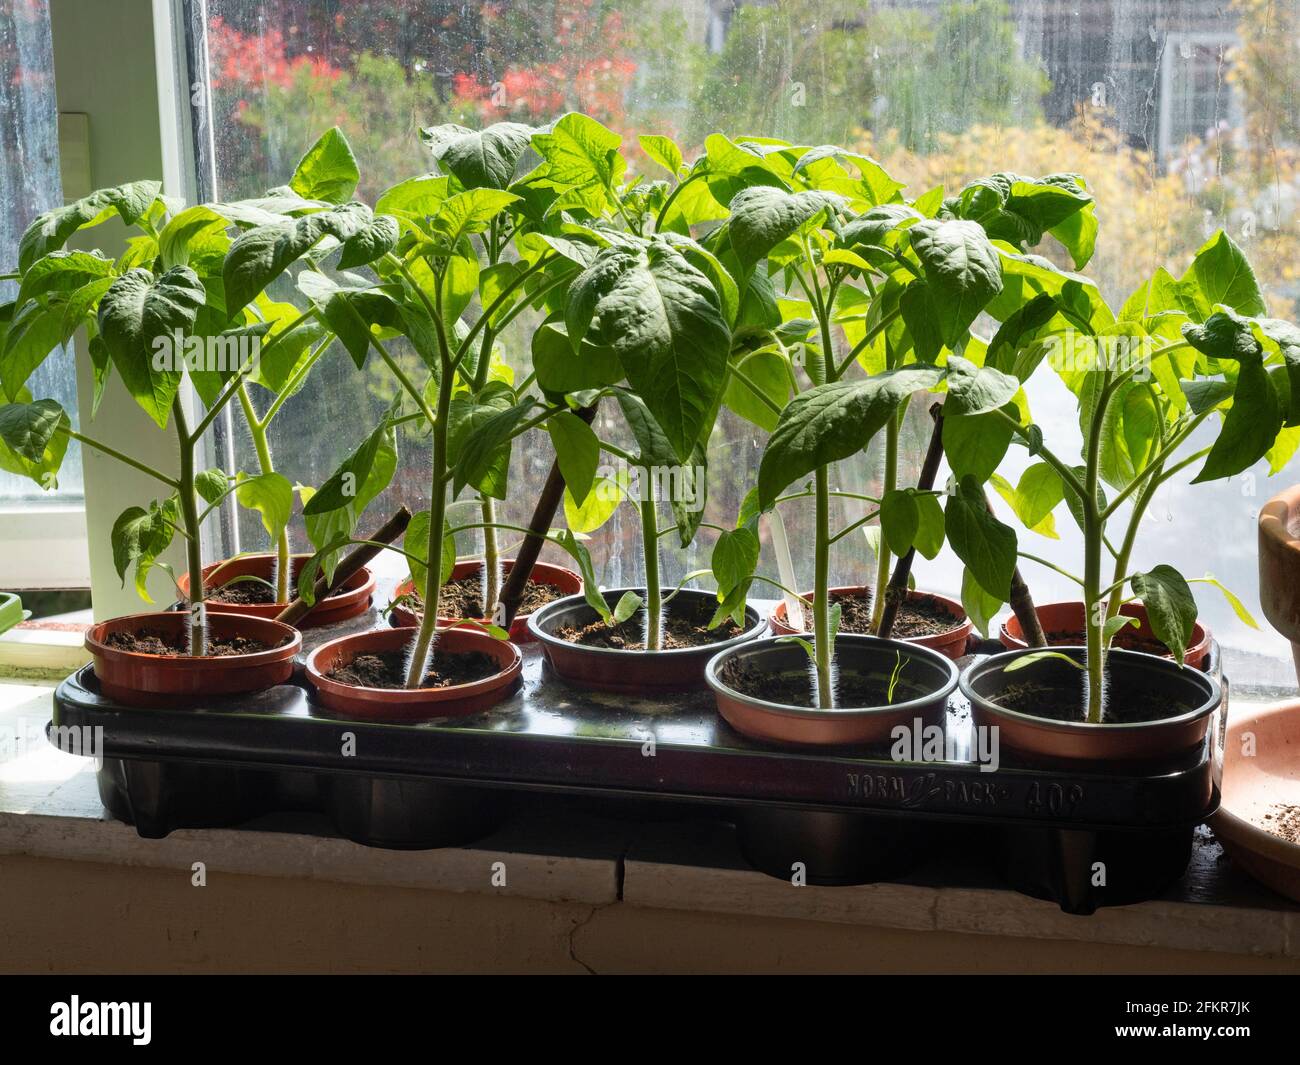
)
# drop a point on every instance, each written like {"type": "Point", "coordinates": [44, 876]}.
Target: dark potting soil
{"type": "Point", "coordinates": [1055, 702]}
{"type": "Point", "coordinates": [798, 687]}
{"type": "Point", "coordinates": [1283, 821]}
{"type": "Point", "coordinates": [153, 642]}
{"type": "Point", "coordinates": [248, 593]}
{"type": "Point", "coordinates": [916, 617]}
{"type": "Point", "coordinates": [686, 626]}
{"type": "Point", "coordinates": [463, 598]}
{"type": "Point", "coordinates": [387, 669]}
{"type": "Point", "coordinates": [1129, 639]}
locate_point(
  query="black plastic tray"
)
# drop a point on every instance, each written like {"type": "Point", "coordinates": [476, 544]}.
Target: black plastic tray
{"type": "Point", "coordinates": [843, 814]}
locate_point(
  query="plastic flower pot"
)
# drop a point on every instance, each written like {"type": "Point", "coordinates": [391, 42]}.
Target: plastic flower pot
{"type": "Point", "coordinates": [349, 601]}
{"type": "Point", "coordinates": [633, 671]}
{"type": "Point", "coordinates": [925, 681]}
{"type": "Point", "coordinates": [140, 679]}
{"type": "Point", "coordinates": [1279, 566]}
{"type": "Point", "coordinates": [952, 643]}
{"type": "Point", "coordinates": [1067, 620]}
{"type": "Point", "coordinates": [1259, 820]}
{"type": "Point", "coordinates": [565, 580]}
{"type": "Point", "coordinates": [1133, 682]}
{"type": "Point", "coordinates": [412, 704]}
{"type": "Point", "coordinates": [11, 611]}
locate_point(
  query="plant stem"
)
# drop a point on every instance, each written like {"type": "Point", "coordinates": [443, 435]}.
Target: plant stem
{"type": "Point", "coordinates": [882, 550]}
{"type": "Point", "coordinates": [896, 592]}
{"type": "Point", "coordinates": [823, 652]}
{"type": "Point", "coordinates": [1094, 529]}
{"type": "Point", "coordinates": [257, 430]}
{"type": "Point", "coordinates": [491, 559]}
{"type": "Point", "coordinates": [650, 536]}
{"type": "Point", "coordinates": [90, 442]}
{"type": "Point", "coordinates": [432, 589]}
{"type": "Point", "coordinates": [190, 519]}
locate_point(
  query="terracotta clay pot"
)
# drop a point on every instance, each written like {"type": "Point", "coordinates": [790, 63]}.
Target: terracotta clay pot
{"type": "Point", "coordinates": [164, 680]}
{"type": "Point", "coordinates": [635, 672]}
{"type": "Point", "coordinates": [350, 601]}
{"type": "Point", "coordinates": [1068, 617]}
{"type": "Point", "coordinates": [1198, 694]}
{"type": "Point", "coordinates": [556, 576]}
{"type": "Point", "coordinates": [951, 643]}
{"type": "Point", "coordinates": [1261, 786]}
{"type": "Point", "coordinates": [401, 704]}
{"type": "Point", "coordinates": [1279, 566]}
{"type": "Point", "coordinates": [927, 670]}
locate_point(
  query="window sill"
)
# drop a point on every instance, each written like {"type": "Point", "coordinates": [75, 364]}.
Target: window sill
{"type": "Point", "coordinates": [41, 654]}
{"type": "Point", "coordinates": [683, 871]}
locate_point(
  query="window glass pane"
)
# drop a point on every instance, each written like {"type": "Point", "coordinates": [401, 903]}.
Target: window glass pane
{"type": "Point", "coordinates": [1183, 118]}
{"type": "Point", "coordinates": [29, 184]}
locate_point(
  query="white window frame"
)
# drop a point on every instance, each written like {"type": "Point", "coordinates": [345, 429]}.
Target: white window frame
{"type": "Point", "coordinates": [142, 128]}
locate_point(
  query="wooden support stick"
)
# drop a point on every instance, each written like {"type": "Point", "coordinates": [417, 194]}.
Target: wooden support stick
{"type": "Point", "coordinates": [512, 591]}
{"type": "Point", "coordinates": [351, 563]}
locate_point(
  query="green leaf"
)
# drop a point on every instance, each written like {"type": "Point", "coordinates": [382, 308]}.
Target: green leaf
{"type": "Point", "coordinates": [831, 422]}
{"type": "Point", "coordinates": [580, 151]}
{"type": "Point", "coordinates": [561, 369]}
{"type": "Point", "coordinates": [259, 256]}
{"type": "Point", "coordinates": [663, 151]}
{"type": "Point", "coordinates": [484, 456]}
{"type": "Point", "coordinates": [1025, 660]}
{"type": "Point", "coordinates": [271, 495]}
{"type": "Point", "coordinates": [596, 508]}
{"type": "Point", "coordinates": [34, 333]}
{"type": "Point", "coordinates": [485, 159]}
{"type": "Point", "coordinates": [33, 439]}
{"type": "Point", "coordinates": [976, 389]}
{"type": "Point", "coordinates": [963, 270]}
{"type": "Point", "coordinates": [734, 559]}
{"type": "Point", "coordinates": [984, 544]}
{"type": "Point", "coordinates": [661, 317]}
{"type": "Point", "coordinates": [1220, 273]}
{"type": "Point", "coordinates": [343, 487]}
{"type": "Point", "coordinates": [50, 231]}
{"type": "Point", "coordinates": [582, 559]}
{"type": "Point", "coordinates": [767, 371]}
{"type": "Point", "coordinates": [763, 216]}
{"type": "Point", "coordinates": [929, 526]}
{"type": "Point", "coordinates": [976, 443]}
{"type": "Point", "coordinates": [577, 451]}
{"type": "Point", "coordinates": [469, 212]}
{"type": "Point", "coordinates": [980, 606]}
{"type": "Point", "coordinates": [1034, 498]}
{"type": "Point", "coordinates": [62, 271]}
{"type": "Point", "coordinates": [628, 604]}
{"type": "Point", "coordinates": [211, 484]}
{"type": "Point", "coordinates": [1238, 607]}
{"type": "Point", "coordinates": [139, 319]}
{"type": "Point", "coordinates": [900, 520]}
{"type": "Point", "coordinates": [1171, 608]}
{"type": "Point", "coordinates": [328, 171]}
{"type": "Point", "coordinates": [139, 536]}
{"type": "Point", "coordinates": [415, 543]}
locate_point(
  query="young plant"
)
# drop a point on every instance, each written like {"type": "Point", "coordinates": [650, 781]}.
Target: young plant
{"type": "Point", "coordinates": [185, 302]}
{"type": "Point", "coordinates": [1183, 355]}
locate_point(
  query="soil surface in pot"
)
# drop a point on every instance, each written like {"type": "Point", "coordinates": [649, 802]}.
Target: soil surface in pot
{"type": "Point", "coordinates": [153, 642]}
{"type": "Point", "coordinates": [1283, 821]}
{"type": "Point", "coordinates": [798, 687]}
{"type": "Point", "coordinates": [1053, 702]}
{"type": "Point", "coordinates": [387, 669]}
{"type": "Point", "coordinates": [1127, 639]}
{"type": "Point", "coordinates": [916, 617]}
{"type": "Point", "coordinates": [242, 593]}
{"type": "Point", "coordinates": [681, 629]}
{"type": "Point", "coordinates": [463, 598]}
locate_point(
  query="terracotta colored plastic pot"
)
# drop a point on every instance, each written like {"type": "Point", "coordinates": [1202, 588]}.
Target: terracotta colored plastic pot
{"type": "Point", "coordinates": [933, 674]}
{"type": "Point", "coordinates": [635, 672]}
{"type": "Point", "coordinates": [1279, 566]}
{"type": "Point", "coordinates": [556, 576]}
{"type": "Point", "coordinates": [1126, 672]}
{"type": "Point", "coordinates": [400, 704]}
{"type": "Point", "coordinates": [951, 643]}
{"type": "Point", "coordinates": [1068, 617]}
{"type": "Point", "coordinates": [162, 680]}
{"type": "Point", "coordinates": [350, 601]}
{"type": "Point", "coordinates": [1261, 785]}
